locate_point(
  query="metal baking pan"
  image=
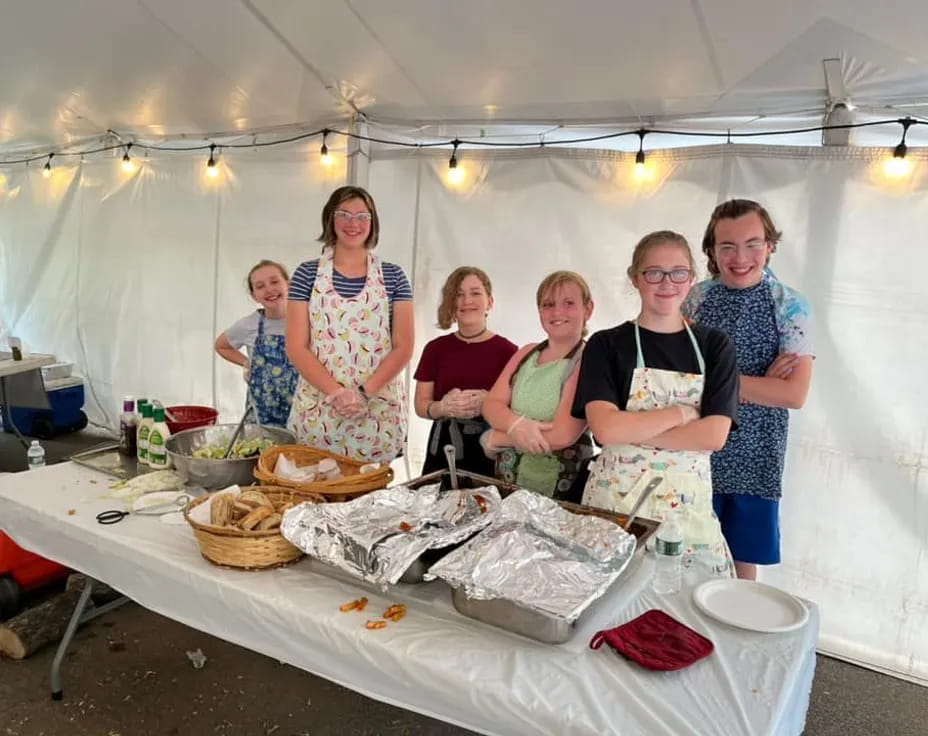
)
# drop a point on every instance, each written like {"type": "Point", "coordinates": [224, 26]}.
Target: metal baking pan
{"type": "Point", "coordinates": [642, 528]}
{"type": "Point", "coordinates": [415, 572]}
{"type": "Point", "coordinates": [106, 458]}
{"type": "Point", "coordinates": [511, 616]}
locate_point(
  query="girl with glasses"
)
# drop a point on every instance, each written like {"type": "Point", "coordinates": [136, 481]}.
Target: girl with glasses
{"type": "Point", "coordinates": [659, 395]}
{"type": "Point", "coordinates": [456, 371]}
{"type": "Point", "coordinates": [350, 336]}
{"type": "Point", "coordinates": [537, 443]}
{"type": "Point", "coordinates": [770, 325]}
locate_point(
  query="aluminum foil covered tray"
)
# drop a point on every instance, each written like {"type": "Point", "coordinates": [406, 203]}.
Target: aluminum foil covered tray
{"type": "Point", "coordinates": [537, 566]}
{"type": "Point", "coordinates": [377, 537]}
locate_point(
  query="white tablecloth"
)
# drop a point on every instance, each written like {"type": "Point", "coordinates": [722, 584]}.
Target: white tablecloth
{"type": "Point", "coordinates": [434, 661]}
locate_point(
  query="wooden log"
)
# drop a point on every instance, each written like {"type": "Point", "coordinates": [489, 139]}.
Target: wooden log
{"type": "Point", "coordinates": [101, 593]}
{"type": "Point", "coordinates": [45, 624]}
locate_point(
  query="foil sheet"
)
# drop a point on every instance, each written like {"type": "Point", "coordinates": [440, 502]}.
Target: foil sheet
{"type": "Point", "coordinates": [379, 535]}
{"type": "Point", "coordinates": [539, 556]}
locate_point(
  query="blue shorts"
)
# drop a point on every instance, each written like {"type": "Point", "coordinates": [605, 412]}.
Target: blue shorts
{"type": "Point", "coordinates": [751, 526]}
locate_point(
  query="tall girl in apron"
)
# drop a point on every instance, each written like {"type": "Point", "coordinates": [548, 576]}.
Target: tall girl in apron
{"type": "Point", "coordinates": [537, 443]}
{"type": "Point", "coordinates": [350, 336]}
{"type": "Point", "coordinates": [270, 376]}
{"type": "Point", "coordinates": [457, 370]}
{"type": "Point", "coordinates": [660, 396]}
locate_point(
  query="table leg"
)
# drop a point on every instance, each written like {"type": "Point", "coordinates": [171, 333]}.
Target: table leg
{"type": "Point", "coordinates": [80, 616]}
{"type": "Point", "coordinates": [7, 418]}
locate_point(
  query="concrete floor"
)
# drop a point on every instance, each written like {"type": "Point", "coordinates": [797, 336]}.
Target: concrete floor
{"type": "Point", "coordinates": [128, 673]}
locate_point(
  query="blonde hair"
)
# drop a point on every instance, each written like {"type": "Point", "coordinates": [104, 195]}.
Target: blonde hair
{"type": "Point", "coordinates": [261, 264]}
{"type": "Point", "coordinates": [338, 197]}
{"type": "Point", "coordinates": [554, 281]}
{"type": "Point", "coordinates": [652, 240]}
{"type": "Point", "coordinates": [447, 308]}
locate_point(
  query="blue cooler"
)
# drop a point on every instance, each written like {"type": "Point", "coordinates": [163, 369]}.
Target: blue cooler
{"type": "Point", "coordinates": [66, 401]}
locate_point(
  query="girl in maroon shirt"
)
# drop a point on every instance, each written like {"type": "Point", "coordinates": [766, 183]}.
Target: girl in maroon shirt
{"type": "Point", "coordinates": [456, 371]}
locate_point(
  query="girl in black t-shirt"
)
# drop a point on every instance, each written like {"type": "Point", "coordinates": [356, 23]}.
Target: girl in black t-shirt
{"type": "Point", "coordinates": [659, 395]}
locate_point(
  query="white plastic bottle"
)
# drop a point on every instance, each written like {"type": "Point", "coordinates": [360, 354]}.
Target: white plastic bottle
{"type": "Point", "coordinates": [668, 549]}
{"type": "Point", "coordinates": [157, 439]}
{"type": "Point", "coordinates": [145, 424]}
{"type": "Point", "coordinates": [35, 455]}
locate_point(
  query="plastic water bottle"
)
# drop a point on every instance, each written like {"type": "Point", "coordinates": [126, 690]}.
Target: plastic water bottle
{"type": "Point", "coordinates": [669, 551]}
{"type": "Point", "coordinates": [36, 455]}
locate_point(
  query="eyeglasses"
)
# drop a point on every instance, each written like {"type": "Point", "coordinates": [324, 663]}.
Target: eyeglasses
{"type": "Point", "coordinates": [344, 216]}
{"type": "Point", "coordinates": [753, 246]}
{"type": "Point", "coordinates": [656, 275]}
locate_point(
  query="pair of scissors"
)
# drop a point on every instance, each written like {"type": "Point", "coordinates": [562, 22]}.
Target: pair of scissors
{"type": "Point", "coordinates": [115, 515]}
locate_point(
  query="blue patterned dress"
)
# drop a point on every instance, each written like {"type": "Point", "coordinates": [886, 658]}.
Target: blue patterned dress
{"type": "Point", "coordinates": [763, 321]}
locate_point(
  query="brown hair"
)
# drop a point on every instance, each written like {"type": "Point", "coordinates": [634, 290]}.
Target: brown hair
{"type": "Point", "coordinates": [651, 240]}
{"type": "Point", "coordinates": [732, 210]}
{"type": "Point", "coordinates": [338, 197]}
{"type": "Point", "coordinates": [449, 292]}
{"type": "Point", "coordinates": [552, 282]}
{"type": "Point", "coordinates": [261, 264]}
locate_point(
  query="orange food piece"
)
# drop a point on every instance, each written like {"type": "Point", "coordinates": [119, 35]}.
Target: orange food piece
{"type": "Point", "coordinates": [376, 625]}
{"type": "Point", "coordinates": [356, 605]}
{"type": "Point", "coordinates": [481, 502]}
{"type": "Point", "coordinates": [394, 610]}
{"type": "Point", "coordinates": [404, 527]}
{"type": "Point", "coordinates": [397, 616]}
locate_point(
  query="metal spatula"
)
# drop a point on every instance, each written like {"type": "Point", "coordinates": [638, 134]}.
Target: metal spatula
{"type": "Point", "coordinates": [645, 494]}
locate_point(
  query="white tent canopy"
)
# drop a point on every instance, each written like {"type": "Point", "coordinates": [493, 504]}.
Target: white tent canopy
{"type": "Point", "coordinates": [131, 276]}
{"type": "Point", "coordinates": [153, 69]}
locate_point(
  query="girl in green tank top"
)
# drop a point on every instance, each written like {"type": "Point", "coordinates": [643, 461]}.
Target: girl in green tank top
{"type": "Point", "coordinates": [536, 442]}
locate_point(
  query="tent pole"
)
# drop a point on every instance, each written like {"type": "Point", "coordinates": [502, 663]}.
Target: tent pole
{"type": "Point", "coordinates": [359, 154]}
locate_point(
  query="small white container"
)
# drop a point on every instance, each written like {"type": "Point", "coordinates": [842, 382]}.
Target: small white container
{"type": "Point", "coordinates": [56, 371]}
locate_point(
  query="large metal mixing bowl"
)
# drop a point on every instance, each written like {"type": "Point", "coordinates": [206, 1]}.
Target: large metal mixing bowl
{"type": "Point", "coordinates": [214, 474]}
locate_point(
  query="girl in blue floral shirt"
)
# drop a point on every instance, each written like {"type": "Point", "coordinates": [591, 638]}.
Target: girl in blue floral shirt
{"type": "Point", "coordinates": [770, 325]}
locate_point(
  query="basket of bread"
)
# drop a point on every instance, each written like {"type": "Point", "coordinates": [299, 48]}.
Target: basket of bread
{"type": "Point", "coordinates": [308, 470]}
{"type": "Point", "coordinates": [241, 528]}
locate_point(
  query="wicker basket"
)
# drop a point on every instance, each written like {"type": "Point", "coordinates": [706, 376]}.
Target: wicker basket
{"type": "Point", "coordinates": [350, 485]}
{"type": "Point", "coordinates": [248, 550]}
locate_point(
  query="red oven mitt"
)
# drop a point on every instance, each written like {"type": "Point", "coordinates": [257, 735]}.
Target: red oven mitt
{"type": "Point", "coordinates": [656, 641]}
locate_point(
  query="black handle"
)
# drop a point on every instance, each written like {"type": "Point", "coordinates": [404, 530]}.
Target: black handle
{"type": "Point", "coordinates": [111, 517]}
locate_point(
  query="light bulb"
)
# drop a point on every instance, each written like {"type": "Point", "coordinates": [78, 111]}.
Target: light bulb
{"type": "Point", "coordinates": [47, 171]}
{"type": "Point", "coordinates": [128, 165]}
{"type": "Point", "coordinates": [456, 175]}
{"type": "Point", "coordinates": [326, 159]}
{"type": "Point", "coordinates": [212, 171]}
{"type": "Point", "coordinates": [897, 167]}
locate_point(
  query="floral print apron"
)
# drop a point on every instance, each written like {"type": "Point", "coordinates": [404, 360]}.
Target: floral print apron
{"type": "Point", "coordinates": [350, 337]}
{"type": "Point", "coordinates": [620, 473]}
{"type": "Point", "coordinates": [272, 378]}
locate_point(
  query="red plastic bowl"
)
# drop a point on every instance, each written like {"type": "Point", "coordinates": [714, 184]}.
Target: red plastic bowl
{"type": "Point", "coordinates": [188, 417]}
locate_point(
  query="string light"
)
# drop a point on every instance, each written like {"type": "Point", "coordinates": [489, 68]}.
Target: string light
{"type": "Point", "coordinates": [324, 158]}
{"type": "Point", "coordinates": [212, 171]}
{"type": "Point", "coordinates": [47, 169]}
{"type": "Point", "coordinates": [455, 173]}
{"type": "Point", "coordinates": [729, 136]}
{"type": "Point", "coordinates": [128, 165]}
{"type": "Point", "coordinates": [897, 166]}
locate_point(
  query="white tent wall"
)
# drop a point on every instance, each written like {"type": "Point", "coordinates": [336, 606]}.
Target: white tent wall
{"type": "Point", "coordinates": [133, 277]}
{"type": "Point", "coordinates": [854, 513]}
{"type": "Point", "coordinates": [146, 270]}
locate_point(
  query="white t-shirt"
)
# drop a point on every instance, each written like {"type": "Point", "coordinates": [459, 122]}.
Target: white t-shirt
{"type": "Point", "coordinates": [245, 331]}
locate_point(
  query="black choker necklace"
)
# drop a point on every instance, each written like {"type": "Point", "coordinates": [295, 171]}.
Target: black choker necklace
{"type": "Point", "coordinates": [470, 338]}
